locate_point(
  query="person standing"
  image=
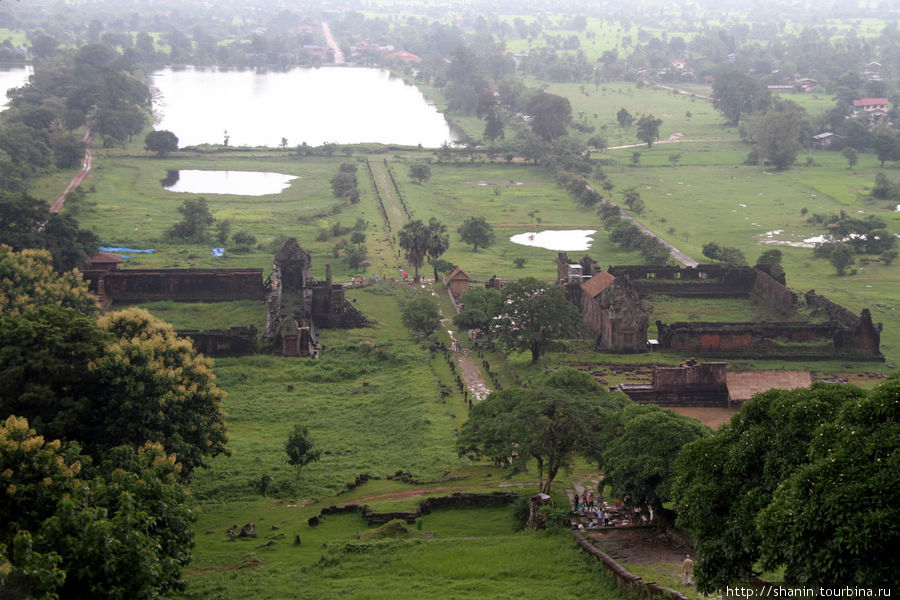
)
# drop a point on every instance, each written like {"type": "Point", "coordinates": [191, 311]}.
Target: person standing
{"type": "Point", "coordinates": [687, 570]}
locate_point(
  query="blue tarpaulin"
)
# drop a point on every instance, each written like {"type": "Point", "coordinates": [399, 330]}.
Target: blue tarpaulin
{"type": "Point", "coordinates": [112, 249]}
{"type": "Point", "coordinates": [218, 251]}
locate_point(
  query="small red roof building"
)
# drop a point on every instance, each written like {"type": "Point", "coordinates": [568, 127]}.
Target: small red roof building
{"type": "Point", "coordinates": [870, 104]}
{"type": "Point", "coordinates": [405, 56]}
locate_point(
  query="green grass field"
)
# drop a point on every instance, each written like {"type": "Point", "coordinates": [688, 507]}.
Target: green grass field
{"type": "Point", "coordinates": [458, 554]}
{"type": "Point", "coordinates": [372, 408]}
{"type": "Point", "coordinates": [373, 400]}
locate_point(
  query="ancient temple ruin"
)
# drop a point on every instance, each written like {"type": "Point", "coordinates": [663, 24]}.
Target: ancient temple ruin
{"type": "Point", "coordinates": [710, 384]}
{"type": "Point", "coordinates": [298, 306]}
{"type": "Point", "coordinates": [610, 306]}
{"type": "Point", "coordinates": [610, 303]}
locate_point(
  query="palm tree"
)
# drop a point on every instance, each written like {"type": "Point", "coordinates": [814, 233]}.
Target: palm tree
{"type": "Point", "coordinates": [438, 238]}
{"type": "Point", "coordinates": [419, 240]}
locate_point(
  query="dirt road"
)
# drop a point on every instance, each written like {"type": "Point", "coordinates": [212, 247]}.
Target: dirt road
{"type": "Point", "coordinates": [80, 175]}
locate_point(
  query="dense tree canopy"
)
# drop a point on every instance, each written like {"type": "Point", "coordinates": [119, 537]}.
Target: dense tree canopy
{"type": "Point", "coordinates": [120, 530]}
{"type": "Point", "coordinates": [26, 222]}
{"type": "Point", "coordinates": [565, 413]}
{"type": "Point", "coordinates": [162, 142]}
{"type": "Point", "coordinates": [853, 473]}
{"type": "Point", "coordinates": [648, 129]}
{"type": "Point", "coordinates": [28, 281]}
{"type": "Point", "coordinates": [639, 462]}
{"type": "Point", "coordinates": [481, 306]}
{"type": "Point", "coordinates": [420, 173]}
{"type": "Point", "coordinates": [726, 481]}
{"type": "Point", "coordinates": [125, 380]}
{"type": "Point", "coordinates": [550, 115]}
{"type": "Point", "coordinates": [780, 132]}
{"type": "Point", "coordinates": [737, 95]}
{"type": "Point", "coordinates": [421, 314]}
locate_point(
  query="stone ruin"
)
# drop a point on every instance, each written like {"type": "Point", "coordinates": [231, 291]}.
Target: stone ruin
{"type": "Point", "coordinates": [709, 384]}
{"type": "Point", "coordinates": [610, 302]}
{"type": "Point", "coordinates": [611, 308]}
{"type": "Point", "coordinates": [298, 306]}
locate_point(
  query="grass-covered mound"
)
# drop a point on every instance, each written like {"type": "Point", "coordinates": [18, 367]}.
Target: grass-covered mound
{"type": "Point", "coordinates": [393, 529]}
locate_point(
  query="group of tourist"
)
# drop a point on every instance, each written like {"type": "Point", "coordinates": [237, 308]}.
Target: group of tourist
{"type": "Point", "coordinates": [586, 504]}
{"type": "Point", "coordinates": [587, 501]}
{"type": "Point", "coordinates": [592, 506]}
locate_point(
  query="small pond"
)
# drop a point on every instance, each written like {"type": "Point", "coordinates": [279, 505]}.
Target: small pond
{"type": "Point", "coordinates": [238, 183]}
{"type": "Point", "coordinates": [565, 239]}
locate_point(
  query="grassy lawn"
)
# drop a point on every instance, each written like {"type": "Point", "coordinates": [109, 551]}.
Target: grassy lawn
{"type": "Point", "coordinates": [371, 409]}
{"type": "Point", "coordinates": [457, 554]}
{"type": "Point", "coordinates": [598, 104]}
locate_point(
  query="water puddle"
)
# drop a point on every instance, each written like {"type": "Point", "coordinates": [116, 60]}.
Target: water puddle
{"type": "Point", "coordinates": [565, 239]}
{"type": "Point", "coordinates": [239, 183]}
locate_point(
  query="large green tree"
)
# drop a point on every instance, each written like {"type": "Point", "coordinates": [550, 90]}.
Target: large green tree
{"type": "Point", "coordinates": [421, 314]}
{"type": "Point", "coordinates": [152, 386]}
{"type": "Point", "coordinates": [550, 115]}
{"type": "Point", "coordinates": [835, 521]}
{"type": "Point", "coordinates": [125, 380]}
{"type": "Point", "coordinates": [477, 231]}
{"type": "Point", "coordinates": [419, 172]}
{"type": "Point", "coordinates": [28, 281]}
{"type": "Point", "coordinates": [549, 422]}
{"type": "Point", "coordinates": [26, 222]}
{"type": "Point", "coordinates": [737, 95]}
{"type": "Point", "coordinates": [120, 530]}
{"type": "Point", "coordinates": [779, 132]}
{"type": "Point", "coordinates": [534, 315]}
{"type": "Point", "coordinates": [162, 142]}
{"type": "Point", "coordinates": [887, 147]}
{"type": "Point", "coordinates": [725, 481]}
{"type": "Point", "coordinates": [481, 306]}
{"type": "Point", "coordinates": [639, 462]}
{"type": "Point", "coordinates": [648, 129]}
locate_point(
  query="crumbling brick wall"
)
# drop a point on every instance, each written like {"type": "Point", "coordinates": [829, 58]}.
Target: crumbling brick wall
{"type": "Point", "coordinates": [182, 285]}
{"type": "Point", "coordinates": [774, 294]}
{"type": "Point", "coordinates": [236, 341]}
{"type": "Point", "coordinates": [689, 384]}
{"type": "Point", "coordinates": [784, 340]}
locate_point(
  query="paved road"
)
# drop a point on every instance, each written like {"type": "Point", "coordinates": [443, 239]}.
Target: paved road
{"type": "Point", "coordinates": [329, 39]}
{"type": "Point", "coordinates": [673, 251]}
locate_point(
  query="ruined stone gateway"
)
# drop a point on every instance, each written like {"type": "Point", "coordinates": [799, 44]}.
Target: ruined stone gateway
{"type": "Point", "coordinates": [298, 306]}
